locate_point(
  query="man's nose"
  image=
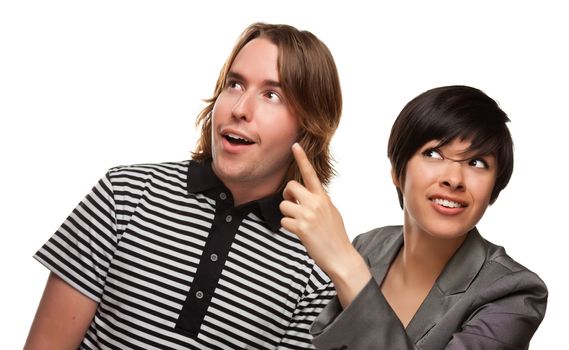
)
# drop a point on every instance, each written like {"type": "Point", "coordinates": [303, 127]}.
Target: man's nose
{"type": "Point", "coordinates": [244, 106]}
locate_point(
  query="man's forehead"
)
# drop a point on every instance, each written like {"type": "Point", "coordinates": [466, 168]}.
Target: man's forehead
{"type": "Point", "coordinates": [258, 61]}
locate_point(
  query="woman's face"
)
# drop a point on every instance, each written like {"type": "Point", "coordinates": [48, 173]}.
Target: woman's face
{"type": "Point", "coordinates": [446, 191]}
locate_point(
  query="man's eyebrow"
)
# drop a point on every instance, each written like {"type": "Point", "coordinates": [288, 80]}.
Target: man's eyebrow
{"type": "Point", "coordinates": [234, 75]}
{"type": "Point", "coordinates": [267, 82]}
{"type": "Point", "coordinates": [272, 83]}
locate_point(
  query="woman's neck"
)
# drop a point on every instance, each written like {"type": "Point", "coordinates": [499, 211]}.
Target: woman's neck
{"type": "Point", "coordinates": [414, 271]}
{"type": "Point", "coordinates": [423, 257]}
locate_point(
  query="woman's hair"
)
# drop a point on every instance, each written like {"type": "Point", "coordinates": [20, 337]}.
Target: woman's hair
{"type": "Point", "coordinates": [310, 82]}
{"type": "Point", "coordinates": [447, 113]}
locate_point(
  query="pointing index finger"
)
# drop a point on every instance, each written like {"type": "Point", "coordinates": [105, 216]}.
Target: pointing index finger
{"type": "Point", "coordinates": [307, 171]}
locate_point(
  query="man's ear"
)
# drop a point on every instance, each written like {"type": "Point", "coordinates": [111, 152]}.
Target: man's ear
{"type": "Point", "coordinates": [395, 179]}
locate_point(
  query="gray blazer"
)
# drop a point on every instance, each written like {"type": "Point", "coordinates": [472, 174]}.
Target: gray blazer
{"type": "Point", "coordinates": [483, 299]}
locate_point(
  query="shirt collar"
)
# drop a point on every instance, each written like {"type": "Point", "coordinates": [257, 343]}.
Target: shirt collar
{"type": "Point", "coordinates": [202, 179]}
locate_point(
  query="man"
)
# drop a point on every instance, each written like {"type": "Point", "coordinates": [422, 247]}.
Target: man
{"type": "Point", "coordinates": [191, 254]}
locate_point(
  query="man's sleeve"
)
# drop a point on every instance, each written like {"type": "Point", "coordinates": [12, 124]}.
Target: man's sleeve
{"type": "Point", "coordinates": [319, 292]}
{"type": "Point", "coordinates": [81, 249]}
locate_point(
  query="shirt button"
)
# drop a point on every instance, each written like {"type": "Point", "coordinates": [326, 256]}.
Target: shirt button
{"type": "Point", "coordinates": [213, 257]}
{"type": "Point", "coordinates": [228, 218]}
{"type": "Point", "coordinates": [223, 196]}
{"type": "Point", "coordinates": [199, 294]}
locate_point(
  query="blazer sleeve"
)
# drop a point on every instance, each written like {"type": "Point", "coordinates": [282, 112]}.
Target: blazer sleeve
{"type": "Point", "coordinates": [367, 323]}
{"type": "Point", "coordinates": [506, 317]}
{"type": "Point", "coordinates": [515, 307]}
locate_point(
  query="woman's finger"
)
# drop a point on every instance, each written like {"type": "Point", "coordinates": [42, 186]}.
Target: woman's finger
{"type": "Point", "coordinates": [307, 171]}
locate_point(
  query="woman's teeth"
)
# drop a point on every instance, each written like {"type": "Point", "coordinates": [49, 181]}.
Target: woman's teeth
{"type": "Point", "coordinates": [447, 203]}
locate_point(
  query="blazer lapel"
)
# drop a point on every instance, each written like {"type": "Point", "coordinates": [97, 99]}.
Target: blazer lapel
{"type": "Point", "coordinates": [450, 286]}
{"type": "Point", "coordinates": [380, 259]}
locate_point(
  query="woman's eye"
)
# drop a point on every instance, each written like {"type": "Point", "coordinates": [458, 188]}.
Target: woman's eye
{"type": "Point", "coordinates": [478, 163]}
{"type": "Point", "coordinates": [432, 153]}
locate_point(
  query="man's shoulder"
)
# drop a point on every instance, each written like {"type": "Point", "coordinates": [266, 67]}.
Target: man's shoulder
{"type": "Point", "coordinates": [137, 177]}
{"type": "Point", "coordinates": [179, 168]}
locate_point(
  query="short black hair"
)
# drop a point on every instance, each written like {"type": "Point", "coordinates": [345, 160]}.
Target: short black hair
{"type": "Point", "coordinates": [447, 113]}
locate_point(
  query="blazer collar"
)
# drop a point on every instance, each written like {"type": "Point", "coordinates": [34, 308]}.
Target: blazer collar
{"type": "Point", "coordinates": [464, 265]}
{"type": "Point", "coordinates": [379, 260]}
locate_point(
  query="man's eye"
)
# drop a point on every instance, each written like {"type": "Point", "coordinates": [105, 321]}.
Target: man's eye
{"type": "Point", "coordinates": [478, 163]}
{"type": "Point", "coordinates": [273, 96]}
{"type": "Point", "coordinates": [234, 85]}
{"type": "Point", "coordinates": [432, 153]}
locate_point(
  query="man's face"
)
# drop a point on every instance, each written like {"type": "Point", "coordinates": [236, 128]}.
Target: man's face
{"type": "Point", "coordinates": [253, 127]}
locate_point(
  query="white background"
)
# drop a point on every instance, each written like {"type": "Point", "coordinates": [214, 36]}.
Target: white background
{"type": "Point", "coordinates": [85, 86]}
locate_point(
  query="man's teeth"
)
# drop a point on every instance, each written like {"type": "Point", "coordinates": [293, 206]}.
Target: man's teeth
{"type": "Point", "coordinates": [238, 139]}
{"type": "Point", "coordinates": [447, 203]}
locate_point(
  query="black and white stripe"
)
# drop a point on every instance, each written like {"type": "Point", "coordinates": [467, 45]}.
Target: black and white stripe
{"type": "Point", "coordinates": [134, 245]}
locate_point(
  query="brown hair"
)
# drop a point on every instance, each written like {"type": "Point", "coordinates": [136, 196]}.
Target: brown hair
{"type": "Point", "coordinates": [311, 85]}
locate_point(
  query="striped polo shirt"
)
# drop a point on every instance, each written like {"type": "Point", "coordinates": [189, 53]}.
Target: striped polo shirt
{"type": "Point", "coordinates": [174, 265]}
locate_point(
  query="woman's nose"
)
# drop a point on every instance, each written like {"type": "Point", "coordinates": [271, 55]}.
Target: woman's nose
{"type": "Point", "coordinates": [452, 176]}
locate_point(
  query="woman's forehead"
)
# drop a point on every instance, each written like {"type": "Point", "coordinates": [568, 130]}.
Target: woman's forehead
{"type": "Point", "coordinates": [466, 147]}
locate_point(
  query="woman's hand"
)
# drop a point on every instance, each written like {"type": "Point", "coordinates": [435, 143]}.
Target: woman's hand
{"type": "Point", "coordinates": [310, 214]}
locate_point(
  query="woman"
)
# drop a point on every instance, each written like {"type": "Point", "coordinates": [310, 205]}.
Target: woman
{"type": "Point", "coordinates": [433, 283]}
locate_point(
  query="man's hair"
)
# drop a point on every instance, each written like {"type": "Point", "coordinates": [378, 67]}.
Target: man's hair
{"type": "Point", "coordinates": [448, 113]}
{"type": "Point", "coordinates": [310, 83]}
